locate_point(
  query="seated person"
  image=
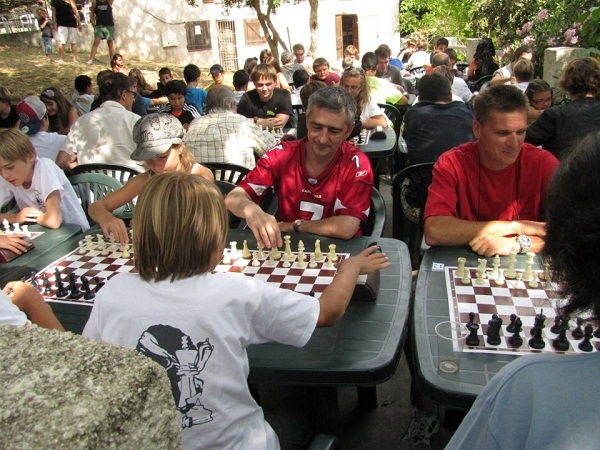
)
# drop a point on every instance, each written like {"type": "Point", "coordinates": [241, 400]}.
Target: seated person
{"type": "Point", "coordinates": [217, 74]}
{"type": "Point", "coordinates": [185, 112]}
{"type": "Point", "coordinates": [289, 66]}
{"type": "Point", "coordinates": [322, 73]}
{"type": "Point", "coordinates": [420, 58]}
{"type": "Point", "coordinates": [22, 305]}
{"type": "Point", "coordinates": [523, 72]}
{"type": "Point", "coordinates": [34, 123]}
{"type": "Point", "coordinates": [459, 86]}
{"type": "Point", "coordinates": [195, 95]}
{"type": "Point", "coordinates": [536, 384]}
{"type": "Point", "coordinates": [386, 71]}
{"type": "Point", "coordinates": [382, 91]}
{"type": "Point", "coordinates": [490, 194]}
{"type": "Point", "coordinates": [505, 74]}
{"type": "Point", "coordinates": [367, 110]}
{"type": "Point", "coordinates": [8, 113]}
{"type": "Point", "coordinates": [268, 106]}
{"type": "Point", "coordinates": [159, 140]}
{"type": "Point", "coordinates": [483, 63]}
{"type": "Point", "coordinates": [240, 84]}
{"type": "Point", "coordinates": [197, 324]}
{"type": "Point", "coordinates": [307, 91]}
{"type": "Point", "coordinates": [224, 136]}
{"type": "Point", "coordinates": [540, 96]}
{"type": "Point", "coordinates": [164, 76]}
{"type": "Point", "coordinates": [42, 191]}
{"type": "Point", "coordinates": [83, 99]}
{"type": "Point", "coordinates": [301, 78]}
{"type": "Point", "coordinates": [560, 127]}
{"type": "Point", "coordinates": [442, 44]}
{"type": "Point", "coordinates": [436, 123]}
{"type": "Point", "coordinates": [323, 184]}
{"type": "Point", "coordinates": [350, 59]}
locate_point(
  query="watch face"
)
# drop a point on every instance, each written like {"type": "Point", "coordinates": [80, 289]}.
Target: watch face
{"type": "Point", "coordinates": [525, 240]}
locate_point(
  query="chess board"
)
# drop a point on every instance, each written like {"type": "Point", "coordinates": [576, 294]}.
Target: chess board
{"type": "Point", "coordinates": [504, 300]}
{"type": "Point", "coordinates": [97, 268]}
{"type": "Point", "coordinates": [305, 280]}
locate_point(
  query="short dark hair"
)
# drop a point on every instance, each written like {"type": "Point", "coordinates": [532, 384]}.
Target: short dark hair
{"type": "Point", "coordinates": [573, 226]}
{"type": "Point", "coordinates": [164, 71]}
{"type": "Point", "coordinates": [581, 77]}
{"type": "Point", "coordinates": [82, 82]}
{"type": "Point", "coordinates": [175, 87]}
{"type": "Point", "coordinates": [451, 53]}
{"type": "Point", "coordinates": [537, 85]}
{"type": "Point", "coordinates": [504, 98]}
{"type": "Point", "coordinates": [383, 50]}
{"type": "Point", "coordinates": [240, 79]}
{"type": "Point", "coordinates": [523, 70]}
{"type": "Point", "coordinates": [434, 87]}
{"type": "Point", "coordinates": [320, 62]}
{"type": "Point", "coordinates": [114, 84]}
{"type": "Point", "coordinates": [300, 77]}
{"type": "Point", "coordinates": [308, 90]}
{"type": "Point", "coordinates": [369, 61]}
{"type": "Point", "coordinates": [191, 72]}
{"type": "Point", "coordinates": [334, 99]}
{"type": "Point", "coordinates": [520, 50]}
{"type": "Point", "coordinates": [442, 41]}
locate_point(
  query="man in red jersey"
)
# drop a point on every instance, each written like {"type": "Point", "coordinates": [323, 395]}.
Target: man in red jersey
{"type": "Point", "coordinates": [489, 194]}
{"type": "Point", "coordinates": [323, 183]}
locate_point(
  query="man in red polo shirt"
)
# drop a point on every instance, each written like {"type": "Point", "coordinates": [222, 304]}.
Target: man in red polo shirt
{"type": "Point", "coordinates": [489, 194]}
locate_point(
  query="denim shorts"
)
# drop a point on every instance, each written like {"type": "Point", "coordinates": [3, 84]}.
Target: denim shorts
{"type": "Point", "coordinates": [47, 45]}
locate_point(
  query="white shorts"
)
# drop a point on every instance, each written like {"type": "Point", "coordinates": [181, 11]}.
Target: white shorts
{"type": "Point", "coordinates": [67, 35]}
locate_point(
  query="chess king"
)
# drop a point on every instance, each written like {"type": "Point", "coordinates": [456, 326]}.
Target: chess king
{"type": "Point", "coordinates": [323, 183]}
{"type": "Point", "coordinates": [489, 194]}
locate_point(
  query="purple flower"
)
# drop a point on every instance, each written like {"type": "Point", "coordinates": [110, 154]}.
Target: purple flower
{"type": "Point", "coordinates": [570, 33]}
{"type": "Point", "coordinates": [528, 40]}
{"type": "Point", "coordinates": [527, 27]}
{"type": "Point", "coordinates": [543, 15]}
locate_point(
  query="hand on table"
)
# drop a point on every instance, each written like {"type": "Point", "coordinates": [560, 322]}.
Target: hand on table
{"type": "Point", "coordinates": [28, 214]}
{"type": "Point", "coordinates": [490, 245]}
{"type": "Point", "coordinates": [369, 260]}
{"type": "Point", "coordinates": [117, 227]}
{"type": "Point", "coordinates": [14, 243]}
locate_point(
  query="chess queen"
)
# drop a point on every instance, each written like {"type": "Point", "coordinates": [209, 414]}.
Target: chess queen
{"type": "Point", "coordinates": [178, 238]}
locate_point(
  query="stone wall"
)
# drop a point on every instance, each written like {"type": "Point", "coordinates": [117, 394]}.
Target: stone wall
{"type": "Point", "coordinates": [59, 390]}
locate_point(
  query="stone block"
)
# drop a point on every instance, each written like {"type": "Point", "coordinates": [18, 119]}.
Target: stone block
{"type": "Point", "coordinates": [59, 390]}
{"type": "Point", "coordinates": [555, 60]}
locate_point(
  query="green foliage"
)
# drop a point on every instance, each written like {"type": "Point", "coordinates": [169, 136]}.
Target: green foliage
{"type": "Point", "coordinates": [436, 17]}
{"type": "Point", "coordinates": [590, 29]}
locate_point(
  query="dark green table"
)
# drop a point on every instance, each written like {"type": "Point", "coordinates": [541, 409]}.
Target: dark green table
{"type": "Point", "coordinates": [27, 263]}
{"type": "Point", "coordinates": [459, 390]}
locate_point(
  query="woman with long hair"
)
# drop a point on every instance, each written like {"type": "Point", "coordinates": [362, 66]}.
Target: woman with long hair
{"type": "Point", "coordinates": [61, 114]}
{"type": "Point", "coordinates": [367, 110]}
{"type": "Point", "coordinates": [484, 60]}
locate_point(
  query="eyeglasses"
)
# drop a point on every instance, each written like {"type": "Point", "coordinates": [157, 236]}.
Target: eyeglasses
{"type": "Point", "coordinates": [48, 93]}
{"type": "Point", "coordinates": [351, 88]}
{"type": "Point", "coordinates": [298, 55]}
{"type": "Point", "coordinates": [541, 101]}
{"type": "Point", "coordinates": [131, 92]}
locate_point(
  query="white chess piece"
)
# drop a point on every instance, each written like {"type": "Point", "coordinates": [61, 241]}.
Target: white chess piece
{"type": "Point", "coordinates": [510, 271]}
{"type": "Point", "coordinates": [246, 251]}
{"type": "Point", "coordinates": [466, 279]}
{"type": "Point", "coordinates": [234, 251]}
{"type": "Point", "coordinates": [255, 261]}
{"type": "Point", "coordinates": [312, 263]}
{"type": "Point", "coordinates": [16, 228]}
{"type": "Point", "coordinates": [460, 270]}
{"type": "Point", "coordinates": [329, 263]}
{"type": "Point", "coordinates": [500, 280]}
{"type": "Point", "coordinates": [480, 281]}
{"type": "Point", "coordinates": [495, 266]}
{"type": "Point", "coordinates": [125, 251]}
{"type": "Point", "coordinates": [25, 229]}
{"type": "Point", "coordinates": [318, 253]}
{"type": "Point", "coordinates": [528, 274]}
{"type": "Point", "coordinates": [288, 255]}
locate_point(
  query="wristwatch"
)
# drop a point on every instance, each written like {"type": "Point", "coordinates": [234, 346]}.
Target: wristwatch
{"type": "Point", "coordinates": [297, 224]}
{"type": "Point", "coordinates": [525, 243]}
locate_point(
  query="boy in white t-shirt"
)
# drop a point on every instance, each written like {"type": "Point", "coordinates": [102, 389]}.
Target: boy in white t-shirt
{"type": "Point", "coordinates": [84, 98]}
{"type": "Point", "coordinates": [21, 304]}
{"type": "Point", "coordinates": [42, 191]}
{"type": "Point", "coordinates": [198, 324]}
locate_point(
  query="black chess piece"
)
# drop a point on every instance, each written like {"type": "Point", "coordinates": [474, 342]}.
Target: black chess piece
{"type": "Point", "coordinates": [75, 292]}
{"type": "Point", "coordinates": [511, 326]}
{"type": "Point", "coordinates": [538, 322]}
{"type": "Point", "coordinates": [558, 325]}
{"type": "Point", "coordinates": [516, 340]}
{"type": "Point", "coordinates": [586, 345]}
{"type": "Point", "coordinates": [88, 294]}
{"type": "Point", "coordinates": [61, 290]}
{"type": "Point", "coordinates": [493, 330]}
{"type": "Point", "coordinates": [577, 333]}
{"type": "Point", "coordinates": [561, 343]}
{"type": "Point", "coordinates": [537, 341]}
{"type": "Point", "coordinates": [47, 285]}
{"type": "Point", "coordinates": [99, 283]}
{"type": "Point", "coordinates": [472, 339]}
{"type": "Point", "coordinates": [35, 283]}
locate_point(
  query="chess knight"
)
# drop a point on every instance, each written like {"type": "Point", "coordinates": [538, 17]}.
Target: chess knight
{"type": "Point", "coordinates": [184, 361]}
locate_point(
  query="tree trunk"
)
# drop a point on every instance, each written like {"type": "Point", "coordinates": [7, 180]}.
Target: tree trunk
{"type": "Point", "coordinates": [313, 23]}
{"type": "Point", "coordinates": [271, 34]}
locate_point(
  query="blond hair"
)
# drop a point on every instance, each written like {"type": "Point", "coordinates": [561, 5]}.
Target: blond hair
{"type": "Point", "coordinates": [180, 221]}
{"type": "Point", "coordinates": [15, 145]}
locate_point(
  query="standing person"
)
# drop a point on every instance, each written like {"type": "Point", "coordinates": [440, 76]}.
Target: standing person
{"type": "Point", "coordinates": [47, 34]}
{"type": "Point", "coordinates": [195, 94]}
{"type": "Point", "coordinates": [202, 341]}
{"type": "Point", "coordinates": [60, 111]}
{"type": "Point", "coordinates": [67, 23]}
{"type": "Point", "coordinates": [301, 58]}
{"type": "Point", "coordinates": [101, 18]}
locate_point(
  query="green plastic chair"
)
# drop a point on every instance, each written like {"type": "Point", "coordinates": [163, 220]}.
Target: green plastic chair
{"type": "Point", "coordinates": [91, 187]}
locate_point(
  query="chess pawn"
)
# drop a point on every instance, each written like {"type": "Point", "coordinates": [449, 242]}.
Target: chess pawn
{"type": "Point", "coordinates": [466, 279]}
{"type": "Point", "coordinates": [460, 270]}
{"type": "Point", "coordinates": [480, 281]}
{"type": "Point", "coordinates": [255, 261]}
{"type": "Point", "coordinates": [81, 247]}
{"type": "Point", "coordinates": [528, 273]}
{"type": "Point", "coordinates": [495, 266]}
{"type": "Point", "coordinates": [246, 251]}
{"type": "Point", "coordinates": [500, 280]}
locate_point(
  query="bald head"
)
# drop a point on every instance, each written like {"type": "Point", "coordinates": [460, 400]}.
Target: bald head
{"type": "Point", "coordinates": [440, 59]}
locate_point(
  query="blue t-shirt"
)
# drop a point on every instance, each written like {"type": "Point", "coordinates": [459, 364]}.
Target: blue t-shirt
{"type": "Point", "coordinates": [197, 97]}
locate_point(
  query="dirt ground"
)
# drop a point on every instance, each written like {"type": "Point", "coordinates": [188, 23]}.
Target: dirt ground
{"type": "Point", "coordinates": [26, 71]}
